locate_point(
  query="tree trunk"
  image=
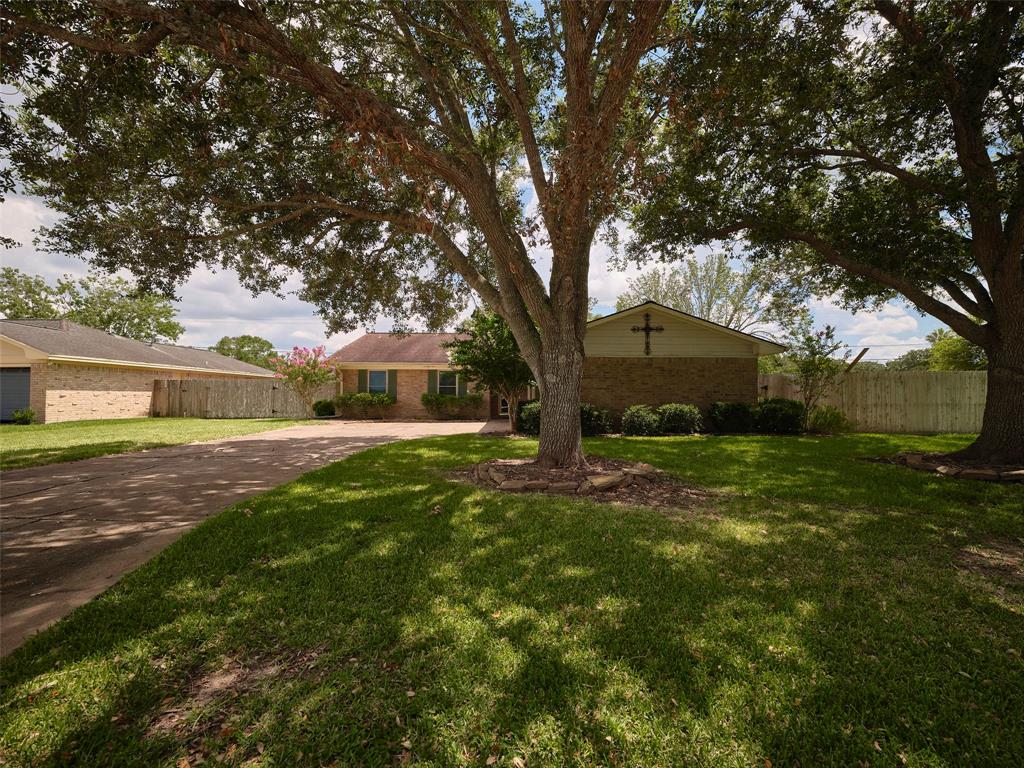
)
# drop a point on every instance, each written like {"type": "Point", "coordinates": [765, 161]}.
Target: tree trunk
{"type": "Point", "coordinates": [559, 381]}
{"type": "Point", "coordinates": [512, 398]}
{"type": "Point", "coordinates": [1002, 430]}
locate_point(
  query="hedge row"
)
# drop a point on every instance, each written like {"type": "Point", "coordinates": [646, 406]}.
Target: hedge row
{"type": "Point", "coordinates": [776, 416]}
{"type": "Point", "coordinates": [356, 405]}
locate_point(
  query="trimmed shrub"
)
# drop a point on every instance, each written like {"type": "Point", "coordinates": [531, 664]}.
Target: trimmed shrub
{"type": "Point", "coordinates": [731, 417]}
{"type": "Point", "coordinates": [640, 420]}
{"type": "Point", "coordinates": [364, 405]}
{"type": "Point", "coordinates": [594, 420]}
{"type": "Point", "coordinates": [779, 416]}
{"type": "Point", "coordinates": [680, 419]}
{"type": "Point", "coordinates": [23, 416]}
{"type": "Point", "coordinates": [323, 408]}
{"type": "Point", "coordinates": [529, 417]}
{"type": "Point", "coordinates": [829, 420]}
{"type": "Point", "coordinates": [451, 406]}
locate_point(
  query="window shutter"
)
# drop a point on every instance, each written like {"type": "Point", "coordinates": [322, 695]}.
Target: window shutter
{"type": "Point", "coordinates": [462, 385]}
{"type": "Point", "coordinates": [432, 382]}
{"type": "Point", "coordinates": [393, 384]}
{"type": "Point", "coordinates": [361, 387]}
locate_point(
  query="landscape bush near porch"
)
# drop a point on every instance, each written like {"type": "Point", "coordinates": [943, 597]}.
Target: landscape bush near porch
{"type": "Point", "coordinates": [442, 406]}
{"type": "Point", "coordinates": [364, 405]}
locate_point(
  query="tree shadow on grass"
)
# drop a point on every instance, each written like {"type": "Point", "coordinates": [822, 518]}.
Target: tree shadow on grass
{"type": "Point", "coordinates": [558, 630]}
{"type": "Point", "coordinates": [28, 457]}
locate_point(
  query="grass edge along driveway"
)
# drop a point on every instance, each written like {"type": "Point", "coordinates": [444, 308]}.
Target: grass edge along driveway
{"type": "Point", "coordinates": [374, 612]}
{"type": "Point", "coordinates": [30, 445]}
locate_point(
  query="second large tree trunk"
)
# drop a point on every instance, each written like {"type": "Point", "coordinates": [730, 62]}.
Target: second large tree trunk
{"type": "Point", "coordinates": [1002, 431]}
{"type": "Point", "coordinates": [561, 373]}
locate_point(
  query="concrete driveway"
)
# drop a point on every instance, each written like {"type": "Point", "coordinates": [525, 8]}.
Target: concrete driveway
{"type": "Point", "coordinates": [69, 531]}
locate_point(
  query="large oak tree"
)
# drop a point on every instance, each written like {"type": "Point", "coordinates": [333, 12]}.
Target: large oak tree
{"type": "Point", "coordinates": [875, 147]}
{"type": "Point", "coordinates": [378, 148]}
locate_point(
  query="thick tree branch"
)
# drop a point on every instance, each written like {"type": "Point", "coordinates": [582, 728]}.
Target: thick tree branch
{"type": "Point", "coordinates": [961, 323]}
{"type": "Point", "coordinates": [957, 294]}
{"type": "Point", "coordinates": [460, 263]}
{"type": "Point", "coordinates": [447, 107]}
{"type": "Point", "coordinates": [980, 292]}
{"type": "Point", "coordinates": [239, 29]}
{"type": "Point", "coordinates": [521, 110]}
{"type": "Point", "coordinates": [144, 44]}
{"type": "Point", "coordinates": [907, 177]}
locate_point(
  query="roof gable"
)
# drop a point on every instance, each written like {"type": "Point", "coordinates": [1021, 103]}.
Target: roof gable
{"type": "Point", "coordinates": [714, 336]}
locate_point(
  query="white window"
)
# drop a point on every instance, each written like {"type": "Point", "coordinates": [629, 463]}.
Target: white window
{"type": "Point", "coordinates": [447, 383]}
{"type": "Point", "coordinates": [503, 407]}
{"type": "Point", "coordinates": [377, 381]}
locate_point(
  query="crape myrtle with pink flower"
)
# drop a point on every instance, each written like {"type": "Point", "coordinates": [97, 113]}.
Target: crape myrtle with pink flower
{"type": "Point", "coordinates": [307, 370]}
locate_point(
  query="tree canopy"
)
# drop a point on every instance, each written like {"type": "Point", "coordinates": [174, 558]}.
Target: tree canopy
{"type": "Point", "coordinates": [873, 148]}
{"type": "Point", "coordinates": [751, 299]}
{"type": "Point", "coordinates": [386, 151]}
{"type": "Point", "coordinates": [108, 302]}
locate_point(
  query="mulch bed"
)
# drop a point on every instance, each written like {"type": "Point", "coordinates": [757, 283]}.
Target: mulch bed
{"type": "Point", "coordinates": [940, 464]}
{"type": "Point", "coordinates": [610, 481]}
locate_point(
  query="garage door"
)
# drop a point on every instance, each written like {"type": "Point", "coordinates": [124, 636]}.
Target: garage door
{"type": "Point", "coordinates": [14, 391]}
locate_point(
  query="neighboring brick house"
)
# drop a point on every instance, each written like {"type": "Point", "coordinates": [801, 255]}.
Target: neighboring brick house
{"type": "Point", "coordinates": [649, 353]}
{"type": "Point", "coordinates": [68, 372]}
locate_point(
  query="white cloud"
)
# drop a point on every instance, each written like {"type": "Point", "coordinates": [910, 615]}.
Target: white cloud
{"type": "Point", "coordinates": [880, 322]}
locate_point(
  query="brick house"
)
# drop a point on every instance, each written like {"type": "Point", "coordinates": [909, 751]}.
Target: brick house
{"type": "Point", "coordinates": [68, 372]}
{"type": "Point", "coordinates": [649, 353]}
{"type": "Point", "coordinates": [407, 366]}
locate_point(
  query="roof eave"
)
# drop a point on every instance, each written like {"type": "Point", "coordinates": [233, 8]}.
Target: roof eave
{"type": "Point", "coordinates": [153, 366]}
{"type": "Point", "coordinates": [403, 365]}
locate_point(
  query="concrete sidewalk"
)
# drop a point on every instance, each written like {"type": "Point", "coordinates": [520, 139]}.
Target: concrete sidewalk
{"type": "Point", "coordinates": [69, 531]}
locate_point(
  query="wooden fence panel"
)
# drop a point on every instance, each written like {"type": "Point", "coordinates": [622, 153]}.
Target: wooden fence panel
{"type": "Point", "coordinates": [230, 398]}
{"type": "Point", "coordinates": [899, 401]}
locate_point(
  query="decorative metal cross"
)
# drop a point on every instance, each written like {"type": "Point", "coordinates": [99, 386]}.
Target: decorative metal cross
{"type": "Point", "coordinates": [647, 329]}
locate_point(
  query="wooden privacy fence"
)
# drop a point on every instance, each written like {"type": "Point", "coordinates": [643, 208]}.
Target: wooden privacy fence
{"type": "Point", "coordinates": [230, 398]}
{"type": "Point", "coordinates": [907, 401]}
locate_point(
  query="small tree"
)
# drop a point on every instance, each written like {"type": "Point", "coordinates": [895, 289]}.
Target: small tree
{"type": "Point", "coordinates": [816, 368]}
{"type": "Point", "coordinates": [488, 355]}
{"type": "Point", "coordinates": [254, 350]}
{"type": "Point", "coordinates": [306, 371]}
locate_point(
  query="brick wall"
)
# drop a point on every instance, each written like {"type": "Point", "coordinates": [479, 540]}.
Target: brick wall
{"type": "Point", "coordinates": [37, 390]}
{"type": "Point", "coordinates": [411, 386]}
{"type": "Point", "coordinates": [617, 382]}
{"type": "Point", "coordinates": [77, 392]}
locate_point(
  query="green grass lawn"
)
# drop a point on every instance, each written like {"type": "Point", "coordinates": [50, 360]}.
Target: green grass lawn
{"type": "Point", "coordinates": [374, 613]}
{"type": "Point", "coordinates": [27, 445]}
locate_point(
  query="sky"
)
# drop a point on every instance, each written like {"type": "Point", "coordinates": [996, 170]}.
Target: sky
{"type": "Point", "coordinates": [214, 304]}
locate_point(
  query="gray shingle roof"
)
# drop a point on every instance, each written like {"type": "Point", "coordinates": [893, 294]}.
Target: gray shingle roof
{"type": "Point", "coordinates": [62, 338]}
{"type": "Point", "coordinates": [394, 348]}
